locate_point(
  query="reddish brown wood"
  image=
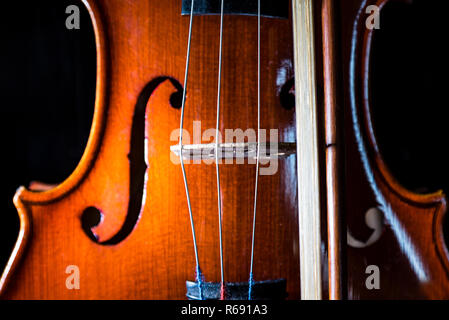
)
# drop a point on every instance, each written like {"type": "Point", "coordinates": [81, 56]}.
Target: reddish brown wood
{"type": "Point", "coordinates": [138, 42]}
{"type": "Point", "coordinates": [332, 128]}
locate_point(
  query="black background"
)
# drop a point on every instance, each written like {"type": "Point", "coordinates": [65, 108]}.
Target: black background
{"type": "Point", "coordinates": [47, 94]}
{"type": "Point", "coordinates": [409, 83]}
{"type": "Point", "coordinates": [409, 94]}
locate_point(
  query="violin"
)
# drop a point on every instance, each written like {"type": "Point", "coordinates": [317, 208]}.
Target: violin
{"type": "Point", "coordinates": [231, 156]}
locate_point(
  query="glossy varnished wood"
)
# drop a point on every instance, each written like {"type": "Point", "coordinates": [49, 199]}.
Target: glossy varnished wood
{"type": "Point", "coordinates": [138, 42]}
{"type": "Point", "coordinates": [333, 149]}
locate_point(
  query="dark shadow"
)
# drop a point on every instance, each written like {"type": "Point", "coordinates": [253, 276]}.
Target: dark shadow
{"type": "Point", "coordinates": [287, 94]}
{"type": "Point", "coordinates": [409, 70]}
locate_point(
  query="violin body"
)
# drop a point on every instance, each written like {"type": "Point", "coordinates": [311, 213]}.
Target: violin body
{"type": "Point", "coordinates": [141, 246]}
{"type": "Point", "coordinates": [121, 219]}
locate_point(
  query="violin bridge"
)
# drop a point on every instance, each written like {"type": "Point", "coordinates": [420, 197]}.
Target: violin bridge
{"type": "Point", "coordinates": [235, 150]}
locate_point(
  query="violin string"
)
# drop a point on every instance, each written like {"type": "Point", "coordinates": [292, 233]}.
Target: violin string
{"type": "Point", "coordinates": [199, 276]}
{"type": "Point", "coordinates": [222, 291]}
{"type": "Point", "coordinates": [251, 278]}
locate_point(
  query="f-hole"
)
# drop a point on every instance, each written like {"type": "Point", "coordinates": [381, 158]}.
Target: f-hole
{"type": "Point", "coordinates": [92, 216]}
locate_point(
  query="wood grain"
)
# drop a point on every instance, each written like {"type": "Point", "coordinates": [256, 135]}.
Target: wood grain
{"type": "Point", "coordinates": [307, 150]}
{"type": "Point", "coordinates": [137, 42]}
{"type": "Point", "coordinates": [332, 137]}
